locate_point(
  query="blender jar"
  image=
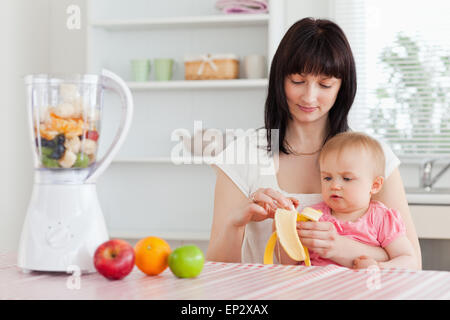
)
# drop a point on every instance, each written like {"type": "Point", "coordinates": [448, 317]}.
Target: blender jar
{"type": "Point", "coordinates": [66, 121]}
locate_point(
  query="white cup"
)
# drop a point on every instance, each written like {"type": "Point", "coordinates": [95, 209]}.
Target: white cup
{"type": "Point", "coordinates": [255, 66]}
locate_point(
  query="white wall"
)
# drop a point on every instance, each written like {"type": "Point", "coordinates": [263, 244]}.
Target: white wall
{"type": "Point", "coordinates": [35, 39]}
{"type": "Point", "coordinates": [24, 37]}
{"type": "Point", "coordinates": [67, 49]}
{"type": "Point", "coordinates": [298, 9]}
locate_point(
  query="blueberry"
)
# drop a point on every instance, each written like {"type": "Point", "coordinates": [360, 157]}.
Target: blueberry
{"type": "Point", "coordinates": [60, 138]}
{"type": "Point", "coordinates": [48, 143]}
{"type": "Point", "coordinates": [58, 152]}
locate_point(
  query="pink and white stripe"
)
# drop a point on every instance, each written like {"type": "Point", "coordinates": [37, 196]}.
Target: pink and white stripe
{"type": "Point", "coordinates": [229, 281]}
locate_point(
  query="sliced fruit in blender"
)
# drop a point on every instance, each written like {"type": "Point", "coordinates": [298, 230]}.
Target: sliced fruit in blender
{"type": "Point", "coordinates": [48, 143]}
{"type": "Point", "coordinates": [49, 163]}
{"type": "Point", "coordinates": [68, 91]}
{"type": "Point", "coordinates": [71, 127]}
{"type": "Point", "coordinates": [64, 110]}
{"type": "Point", "coordinates": [60, 138]}
{"type": "Point", "coordinates": [46, 133]}
{"type": "Point", "coordinates": [68, 159]}
{"type": "Point", "coordinates": [92, 158]}
{"type": "Point", "coordinates": [46, 151]}
{"type": "Point", "coordinates": [82, 161]}
{"type": "Point", "coordinates": [89, 146]}
{"type": "Point", "coordinates": [92, 134]}
{"type": "Point", "coordinates": [73, 144]}
{"type": "Point", "coordinates": [58, 152]}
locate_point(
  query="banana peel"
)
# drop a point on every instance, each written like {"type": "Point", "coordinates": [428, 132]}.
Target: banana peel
{"type": "Point", "coordinates": [286, 232]}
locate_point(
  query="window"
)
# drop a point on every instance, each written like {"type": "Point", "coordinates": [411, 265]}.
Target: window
{"type": "Point", "coordinates": [402, 53]}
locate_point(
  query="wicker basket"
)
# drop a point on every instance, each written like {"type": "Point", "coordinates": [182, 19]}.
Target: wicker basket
{"type": "Point", "coordinates": [211, 67]}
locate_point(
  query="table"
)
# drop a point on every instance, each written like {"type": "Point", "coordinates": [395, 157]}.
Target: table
{"type": "Point", "coordinates": [228, 281]}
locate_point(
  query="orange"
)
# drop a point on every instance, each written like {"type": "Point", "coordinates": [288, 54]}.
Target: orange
{"type": "Point", "coordinates": [152, 255]}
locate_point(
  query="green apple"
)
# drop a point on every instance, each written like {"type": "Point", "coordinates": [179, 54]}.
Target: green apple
{"type": "Point", "coordinates": [186, 261]}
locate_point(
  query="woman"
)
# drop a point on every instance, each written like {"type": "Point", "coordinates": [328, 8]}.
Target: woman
{"type": "Point", "coordinates": [312, 85]}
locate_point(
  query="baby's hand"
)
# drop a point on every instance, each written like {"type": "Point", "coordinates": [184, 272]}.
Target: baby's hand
{"type": "Point", "coordinates": [363, 262]}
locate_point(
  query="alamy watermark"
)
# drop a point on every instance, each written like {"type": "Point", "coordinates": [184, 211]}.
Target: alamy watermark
{"type": "Point", "coordinates": [73, 21]}
{"type": "Point", "coordinates": [73, 282]}
{"type": "Point", "coordinates": [373, 282]}
{"type": "Point", "coordinates": [227, 147]}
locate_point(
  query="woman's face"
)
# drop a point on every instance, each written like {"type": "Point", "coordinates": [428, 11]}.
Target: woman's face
{"type": "Point", "coordinates": [310, 97]}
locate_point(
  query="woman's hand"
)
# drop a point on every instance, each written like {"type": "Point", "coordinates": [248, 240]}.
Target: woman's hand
{"type": "Point", "coordinates": [320, 237]}
{"type": "Point", "coordinates": [262, 205]}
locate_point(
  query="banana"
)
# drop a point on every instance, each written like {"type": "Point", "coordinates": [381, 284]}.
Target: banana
{"type": "Point", "coordinates": [286, 232]}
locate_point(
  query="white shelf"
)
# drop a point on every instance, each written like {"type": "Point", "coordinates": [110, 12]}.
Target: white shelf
{"type": "Point", "coordinates": [118, 31]}
{"type": "Point", "coordinates": [166, 235]}
{"type": "Point", "coordinates": [166, 160]}
{"type": "Point", "coordinates": [199, 84]}
{"type": "Point", "coordinates": [231, 20]}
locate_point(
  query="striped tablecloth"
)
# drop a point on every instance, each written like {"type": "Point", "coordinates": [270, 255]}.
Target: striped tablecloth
{"type": "Point", "coordinates": [229, 281]}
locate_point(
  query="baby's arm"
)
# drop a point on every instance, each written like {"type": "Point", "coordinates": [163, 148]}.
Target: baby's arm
{"type": "Point", "coordinates": [401, 255]}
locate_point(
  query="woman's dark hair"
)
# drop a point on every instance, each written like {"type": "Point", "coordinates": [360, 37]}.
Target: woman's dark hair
{"type": "Point", "coordinates": [310, 46]}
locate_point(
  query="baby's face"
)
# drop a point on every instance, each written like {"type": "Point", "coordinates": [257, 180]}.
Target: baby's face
{"type": "Point", "coordinates": [347, 180]}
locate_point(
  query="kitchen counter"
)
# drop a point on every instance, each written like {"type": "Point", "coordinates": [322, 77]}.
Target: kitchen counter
{"type": "Point", "coordinates": [436, 196]}
{"type": "Point", "coordinates": [431, 221]}
{"type": "Point", "coordinates": [228, 281]}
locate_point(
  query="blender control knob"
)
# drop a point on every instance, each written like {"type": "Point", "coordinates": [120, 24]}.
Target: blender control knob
{"type": "Point", "coordinates": [58, 236]}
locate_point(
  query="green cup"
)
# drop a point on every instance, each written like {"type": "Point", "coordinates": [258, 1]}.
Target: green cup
{"type": "Point", "coordinates": [163, 69]}
{"type": "Point", "coordinates": [140, 69]}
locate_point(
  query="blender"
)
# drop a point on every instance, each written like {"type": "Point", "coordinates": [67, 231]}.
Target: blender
{"type": "Point", "coordinates": [64, 223]}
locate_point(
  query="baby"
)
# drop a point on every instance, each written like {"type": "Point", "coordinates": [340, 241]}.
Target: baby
{"type": "Point", "coordinates": [352, 168]}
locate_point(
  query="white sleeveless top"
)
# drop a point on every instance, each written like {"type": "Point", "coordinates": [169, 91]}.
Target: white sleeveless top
{"type": "Point", "coordinates": [251, 168]}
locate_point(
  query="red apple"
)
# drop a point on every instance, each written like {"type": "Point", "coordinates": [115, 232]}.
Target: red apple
{"type": "Point", "coordinates": [114, 259]}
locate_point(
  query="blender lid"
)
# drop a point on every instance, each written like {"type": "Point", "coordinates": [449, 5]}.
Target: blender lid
{"type": "Point", "coordinates": [43, 78]}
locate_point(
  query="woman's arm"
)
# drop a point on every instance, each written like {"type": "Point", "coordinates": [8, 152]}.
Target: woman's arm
{"type": "Point", "coordinates": [226, 237]}
{"type": "Point", "coordinates": [393, 196]}
{"type": "Point", "coordinates": [232, 211]}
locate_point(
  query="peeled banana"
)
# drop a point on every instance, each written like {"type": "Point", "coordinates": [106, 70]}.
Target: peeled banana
{"type": "Point", "coordinates": [286, 232]}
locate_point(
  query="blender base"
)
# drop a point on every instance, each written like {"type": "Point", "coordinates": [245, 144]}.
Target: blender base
{"type": "Point", "coordinates": [63, 227]}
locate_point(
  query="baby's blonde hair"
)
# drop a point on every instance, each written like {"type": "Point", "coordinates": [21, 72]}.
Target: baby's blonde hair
{"type": "Point", "coordinates": [359, 141]}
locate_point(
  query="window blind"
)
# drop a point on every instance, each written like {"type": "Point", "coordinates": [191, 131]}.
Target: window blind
{"type": "Point", "coordinates": [402, 54]}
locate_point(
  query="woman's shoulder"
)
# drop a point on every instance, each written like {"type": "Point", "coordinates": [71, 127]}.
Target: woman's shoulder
{"type": "Point", "coordinates": [245, 160]}
{"type": "Point", "coordinates": [244, 147]}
